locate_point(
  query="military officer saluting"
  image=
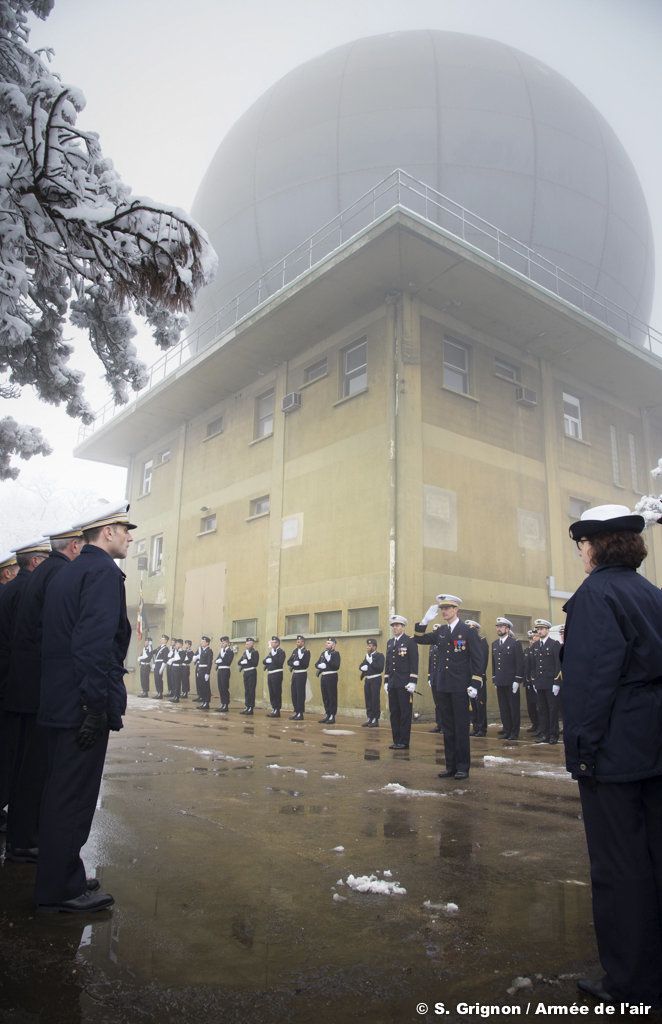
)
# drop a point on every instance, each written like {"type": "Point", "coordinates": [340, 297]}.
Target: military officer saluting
{"type": "Point", "coordinates": [372, 669]}
{"type": "Point", "coordinates": [224, 659]}
{"type": "Point", "coordinates": [327, 666]}
{"type": "Point", "coordinates": [248, 664]}
{"type": "Point", "coordinates": [205, 657]}
{"type": "Point", "coordinates": [507, 676]}
{"type": "Point", "coordinates": [457, 676]}
{"type": "Point", "coordinates": [298, 663]}
{"type": "Point", "coordinates": [273, 663]}
{"type": "Point", "coordinates": [546, 678]}
{"type": "Point", "coordinates": [401, 671]}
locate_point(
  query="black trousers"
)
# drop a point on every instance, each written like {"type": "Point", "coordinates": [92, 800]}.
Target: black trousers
{"type": "Point", "coordinates": [509, 709]}
{"type": "Point", "coordinates": [548, 715]}
{"type": "Point", "coordinates": [250, 681]}
{"type": "Point", "coordinates": [67, 809]}
{"type": "Point", "coordinates": [372, 691]}
{"type": "Point", "coordinates": [400, 706]}
{"type": "Point", "coordinates": [299, 692]}
{"type": "Point", "coordinates": [275, 684]}
{"type": "Point", "coordinates": [175, 681]}
{"type": "Point", "coordinates": [7, 742]}
{"type": "Point", "coordinates": [27, 781]}
{"type": "Point", "coordinates": [437, 708]}
{"type": "Point", "coordinates": [185, 672]}
{"type": "Point", "coordinates": [223, 680]}
{"type": "Point", "coordinates": [532, 706]}
{"type": "Point", "coordinates": [455, 727]}
{"type": "Point", "coordinates": [144, 677]}
{"type": "Point", "coordinates": [329, 687]}
{"type": "Point", "coordinates": [623, 824]}
{"type": "Point", "coordinates": [479, 709]}
{"type": "Point", "coordinates": [158, 677]}
{"type": "Point", "coordinates": [203, 686]}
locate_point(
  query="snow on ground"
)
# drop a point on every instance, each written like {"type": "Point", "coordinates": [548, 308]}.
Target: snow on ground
{"type": "Point", "coordinates": [400, 790]}
{"type": "Point", "coordinates": [519, 983]}
{"type": "Point", "coordinates": [370, 883]}
{"type": "Point", "coordinates": [334, 775]}
{"type": "Point", "coordinates": [449, 908]}
{"type": "Point", "coordinates": [339, 732]}
{"type": "Point", "coordinates": [338, 849]}
{"type": "Point", "coordinates": [287, 768]}
{"type": "Point", "coordinates": [216, 754]}
{"type": "Point", "coordinates": [533, 768]}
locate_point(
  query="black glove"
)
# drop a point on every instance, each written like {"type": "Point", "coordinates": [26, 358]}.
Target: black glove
{"type": "Point", "coordinates": [93, 726]}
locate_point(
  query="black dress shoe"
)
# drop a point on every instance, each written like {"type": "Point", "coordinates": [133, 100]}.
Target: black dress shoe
{"type": "Point", "coordinates": [158, 696]}
{"type": "Point", "coordinates": [552, 742]}
{"type": "Point", "coordinates": [274, 714]}
{"type": "Point", "coordinates": [184, 696]}
{"type": "Point", "coordinates": [436, 729]}
{"type": "Point", "coordinates": [542, 739]}
{"type": "Point", "coordinates": [446, 775]}
{"type": "Point", "coordinates": [143, 695]}
{"type": "Point", "coordinates": [92, 884]}
{"type": "Point", "coordinates": [374, 724]}
{"type": "Point", "coordinates": [204, 706]}
{"type": "Point", "coordinates": [399, 746]}
{"type": "Point", "coordinates": [249, 711]}
{"type": "Point", "coordinates": [87, 903]}
{"type": "Point", "coordinates": [366, 725]}
{"type": "Point", "coordinates": [331, 720]}
{"type": "Point", "coordinates": [594, 989]}
{"type": "Point", "coordinates": [461, 775]}
{"type": "Point", "coordinates": [173, 700]}
{"type": "Point", "coordinates": [323, 721]}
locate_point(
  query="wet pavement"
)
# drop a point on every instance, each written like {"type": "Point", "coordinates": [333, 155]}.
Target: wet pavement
{"type": "Point", "coordinates": [220, 838]}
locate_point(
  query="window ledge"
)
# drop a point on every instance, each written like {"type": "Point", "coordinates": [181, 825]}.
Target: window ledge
{"type": "Point", "coordinates": [210, 437]}
{"type": "Point", "coordinates": [348, 398]}
{"type": "Point", "coordinates": [145, 494]}
{"type": "Point", "coordinates": [205, 533]}
{"type": "Point", "coordinates": [257, 440]}
{"type": "Point", "coordinates": [460, 394]}
{"type": "Point", "coordinates": [258, 515]}
{"type": "Point", "coordinates": [578, 440]}
{"type": "Point", "coordinates": [347, 634]}
{"type": "Point", "coordinates": [308, 383]}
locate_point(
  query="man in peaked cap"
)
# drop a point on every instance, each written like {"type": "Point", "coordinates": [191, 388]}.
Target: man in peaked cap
{"type": "Point", "coordinates": [8, 568]}
{"type": "Point", "coordinates": [546, 678]}
{"type": "Point", "coordinates": [298, 663]}
{"type": "Point", "coordinates": [248, 663]}
{"type": "Point", "coordinates": [86, 636]}
{"type": "Point", "coordinates": [479, 703]}
{"type": "Point", "coordinates": [508, 677]}
{"type": "Point", "coordinates": [401, 676]}
{"type": "Point", "coordinates": [21, 702]}
{"type": "Point", "coordinates": [327, 666]}
{"type": "Point", "coordinates": [273, 663]}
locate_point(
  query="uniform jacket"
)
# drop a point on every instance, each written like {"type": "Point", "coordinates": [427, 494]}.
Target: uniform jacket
{"type": "Point", "coordinates": [10, 598]}
{"type": "Point", "coordinates": [205, 657]}
{"type": "Point", "coordinates": [274, 659]}
{"type": "Point", "coordinates": [485, 655]}
{"type": "Point", "coordinates": [188, 655]}
{"type": "Point", "coordinates": [225, 659]}
{"type": "Point", "coordinates": [328, 661]}
{"type": "Point", "coordinates": [24, 678]}
{"type": "Point", "coordinates": [161, 659]}
{"type": "Point", "coordinates": [372, 665]}
{"type": "Point", "coordinates": [249, 660]}
{"type": "Point", "coordinates": [459, 658]}
{"type": "Point", "coordinates": [146, 656]}
{"type": "Point", "coordinates": [507, 662]}
{"type": "Point", "coordinates": [546, 664]}
{"type": "Point", "coordinates": [612, 670]}
{"type": "Point", "coordinates": [401, 662]}
{"type": "Point", "coordinates": [299, 659]}
{"type": "Point", "coordinates": [86, 635]}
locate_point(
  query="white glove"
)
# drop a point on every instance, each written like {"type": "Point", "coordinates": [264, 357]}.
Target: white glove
{"type": "Point", "coordinates": [410, 687]}
{"type": "Point", "coordinates": [515, 687]}
{"type": "Point", "coordinates": [385, 687]}
{"type": "Point", "coordinates": [556, 690]}
{"type": "Point", "coordinates": [206, 679]}
{"type": "Point", "coordinates": [430, 683]}
{"type": "Point", "coordinates": [472, 691]}
{"type": "Point", "coordinates": [430, 614]}
{"type": "Point", "coordinates": [363, 668]}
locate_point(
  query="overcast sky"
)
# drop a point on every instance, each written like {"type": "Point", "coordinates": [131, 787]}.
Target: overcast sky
{"type": "Point", "coordinates": [165, 80]}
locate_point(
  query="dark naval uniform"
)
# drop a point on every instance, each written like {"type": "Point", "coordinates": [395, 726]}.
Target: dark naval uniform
{"type": "Point", "coordinates": [508, 668]}
{"type": "Point", "coordinates": [372, 669]}
{"type": "Point", "coordinates": [248, 664]}
{"type": "Point", "coordinates": [205, 657]}
{"type": "Point", "coordinates": [479, 702]}
{"type": "Point", "coordinates": [432, 661]}
{"type": "Point", "coordinates": [10, 597]}
{"type": "Point", "coordinates": [145, 663]}
{"type": "Point", "coordinates": [273, 663]}
{"type": "Point", "coordinates": [531, 702]}
{"type": "Point", "coordinates": [298, 663]}
{"type": "Point", "coordinates": [224, 660]}
{"type": "Point", "coordinates": [327, 666]}
{"type": "Point", "coordinates": [401, 668]}
{"type": "Point", "coordinates": [160, 663]}
{"type": "Point", "coordinates": [546, 673]}
{"type": "Point", "coordinates": [612, 712]}
{"type": "Point", "coordinates": [86, 635]}
{"type": "Point", "coordinates": [457, 666]}
{"type": "Point", "coordinates": [187, 655]}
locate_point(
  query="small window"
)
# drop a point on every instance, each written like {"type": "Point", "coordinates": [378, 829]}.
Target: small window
{"type": "Point", "coordinates": [507, 371]}
{"type": "Point", "coordinates": [466, 613]}
{"type": "Point", "coordinates": [259, 506]}
{"type": "Point", "coordinates": [328, 622]}
{"type": "Point", "coordinates": [156, 555]}
{"type": "Point", "coordinates": [147, 477]}
{"type": "Point", "coordinates": [615, 457]}
{"type": "Point", "coordinates": [521, 625]}
{"type": "Point", "coordinates": [214, 427]}
{"type": "Point", "coordinates": [264, 414]}
{"type": "Point", "coordinates": [364, 618]}
{"type": "Point", "coordinates": [577, 507]}
{"type": "Point", "coordinates": [244, 627]}
{"type": "Point", "coordinates": [164, 456]}
{"type": "Point", "coordinates": [354, 369]}
{"type": "Point", "coordinates": [634, 466]}
{"type": "Point", "coordinates": [572, 416]}
{"type": "Point", "coordinates": [296, 624]}
{"type": "Point", "coordinates": [208, 523]}
{"type": "Point", "coordinates": [315, 371]}
{"type": "Point", "coordinates": [456, 366]}
{"type": "Point", "coordinates": [140, 547]}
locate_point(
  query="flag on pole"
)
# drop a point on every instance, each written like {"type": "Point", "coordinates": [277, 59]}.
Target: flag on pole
{"type": "Point", "coordinates": [141, 612]}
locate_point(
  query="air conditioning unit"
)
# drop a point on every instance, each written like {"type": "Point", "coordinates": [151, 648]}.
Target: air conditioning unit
{"type": "Point", "coordinates": [526, 396]}
{"type": "Point", "coordinates": [291, 401]}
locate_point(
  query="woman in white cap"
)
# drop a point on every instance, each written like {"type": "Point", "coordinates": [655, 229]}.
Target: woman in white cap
{"type": "Point", "coordinates": [612, 704]}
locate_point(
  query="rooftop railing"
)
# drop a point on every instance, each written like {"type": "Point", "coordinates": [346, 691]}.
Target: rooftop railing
{"type": "Point", "coordinates": [398, 190]}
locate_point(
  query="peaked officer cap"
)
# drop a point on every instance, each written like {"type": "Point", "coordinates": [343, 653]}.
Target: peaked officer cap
{"type": "Point", "coordinates": [276, 638]}
{"type": "Point", "coordinates": [472, 623]}
{"type": "Point", "coordinates": [606, 519]}
{"type": "Point", "coordinates": [397, 620]}
{"type": "Point", "coordinates": [503, 621]}
{"type": "Point", "coordinates": [65, 532]}
{"type": "Point", "coordinates": [250, 640]}
{"type": "Point", "coordinates": [300, 637]}
{"type": "Point", "coordinates": [543, 622]}
{"type": "Point", "coordinates": [207, 638]}
{"type": "Point", "coordinates": [35, 547]}
{"type": "Point", "coordinates": [7, 560]}
{"type": "Point", "coordinates": [449, 599]}
{"type": "Point", "coordinates": [107, 514]}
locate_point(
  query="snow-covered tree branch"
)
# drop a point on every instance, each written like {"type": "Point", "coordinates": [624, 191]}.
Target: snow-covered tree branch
{"type": "Point", "coordinates": [650, 506]}
{"type": "Point", "coordinates": [74, 242]}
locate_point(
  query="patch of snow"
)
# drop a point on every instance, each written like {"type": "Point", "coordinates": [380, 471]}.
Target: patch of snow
{"type": "Point", "coordinates": [449, 908]}
{"type": "Point", "coordinates": [339, 732]}
{"type": "Point", "coordinates": [370, 883]}
{"type": "Point", "coordinates": [287, 768]}
{"type": "Point", "coordinates": [335, 775]}
{"type": "Point", "coordinates": [337, 898]}
{"type": "Point", "coordinates": [400, 790]}
{"type": "Point", "coordinates": [519, 983]}
{"type": "Point", "coordinates": [338, 849]}
{"type": "Point", "coordinates": [388, 874]}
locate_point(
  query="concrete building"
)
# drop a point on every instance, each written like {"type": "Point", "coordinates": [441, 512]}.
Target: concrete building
{"type": "Point", "coordinates": [411, 400]}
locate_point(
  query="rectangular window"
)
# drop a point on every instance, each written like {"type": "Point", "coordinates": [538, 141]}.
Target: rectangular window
{"type": "Point", "coordinates": [634, 467]}
{"type": "Point", "coordinates": [156, 555]}
{"type": "Point", "coordinates": [164, 456]}
{"type": "Point", "coordinates": [577, 506]}
{"type": "Point", "coordinates": [615, 459]}
{"type": "Point", "coordinates": [259, 506]}
{"type": "Point", "coordinates": [242, 628]}
{"type": "Point", "coordinates": [465, 613]}
{"type": "Point", "coordinates": [296, 624]}
{"type": "Point", "coordinates": [456, 366]}
{"type": "Point", "coordinates": [328, 622]}
{"type": "Point", "coordinates": [315, 371]}
{"type": "Point", "coordinates": [264, 414]}
{"type": "Point", "coordinates": [572, 416]}
{"type": "Point", "coordinates": [208, 523]}
{"type": "Point", "coordinates": [214, 427]}
{"type": "Point", "coordinates": [364, 618]}
{"type": "Point", "coordinates": [146, 485]}
{"type": "Point", "coordinates": [521, 625]}
{"type": "Point", "coordinates": [354, 368]}
{"type": "Point", "coordinates": [507, 371]}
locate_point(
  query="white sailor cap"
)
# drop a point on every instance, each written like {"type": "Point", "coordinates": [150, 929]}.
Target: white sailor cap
{"type": "Point", "coordinates": [542, 622]}
{"type": "Point", "coordinates": [606, 519]}
{"type": "Point", "coordinates": [7, 560]}
{"type": "Point", "coordinates": [472, 623]}
{"type": "Point", "coordinates": [107, 514]}
{"type": "Point", "coordinates": [35, 547]}
{"type": "Point", "coordinates": [530, 633]}
{"type": "Point", "coordinates": [448, 599]}
{"type": "Point", "coordinates": [501, 620]}
{"type": "Point", "coordinates": [397, 620]}
{"type": "Point", "coordinates": [64, 531]}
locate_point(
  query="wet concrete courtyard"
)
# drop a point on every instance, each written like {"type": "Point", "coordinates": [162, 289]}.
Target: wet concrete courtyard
{"type": "Point", "coordinates": [227, 843]}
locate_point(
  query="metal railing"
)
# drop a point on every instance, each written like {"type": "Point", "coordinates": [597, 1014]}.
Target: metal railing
{"type": "Point", "coordinates": [398, 190]}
